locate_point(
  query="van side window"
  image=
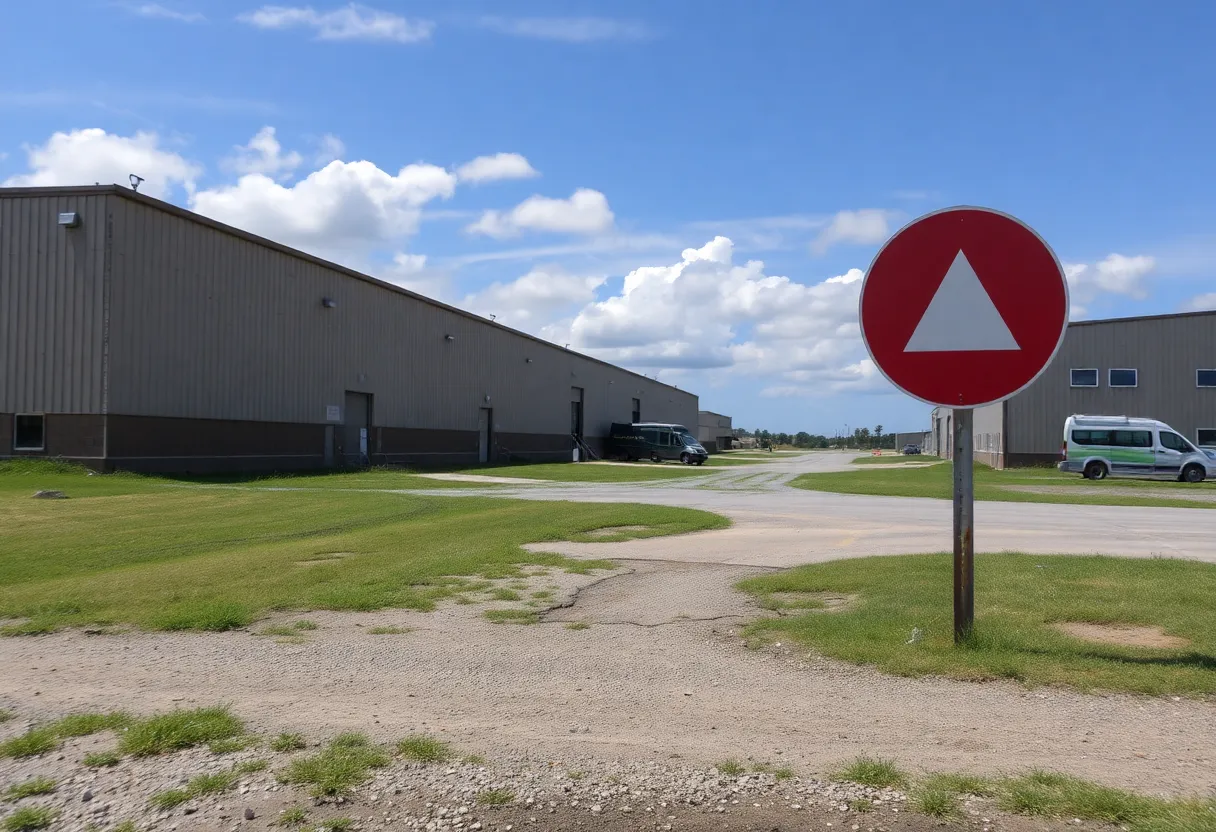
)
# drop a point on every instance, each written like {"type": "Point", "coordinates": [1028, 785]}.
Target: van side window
{"type": "Point", "coordinates": [664, 437]}
{"type": "Point", "coordinates": [651, 436]}
{"type": "Point", "coordinates": [1133, 439]}
{"type": "Point", "coordinates": [1091, 437]}
{"type": "Point", "coordinates": [1174, 442]}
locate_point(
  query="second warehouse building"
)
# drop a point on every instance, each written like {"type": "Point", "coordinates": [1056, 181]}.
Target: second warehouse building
{"type": "Point", "coordinates": [138, 335]}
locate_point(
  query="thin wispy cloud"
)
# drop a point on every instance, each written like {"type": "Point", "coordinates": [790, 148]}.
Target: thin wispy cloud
{"type": "Point", "coordinates": [568, 29]}
{"type": "Point", "coordinates": [347, 23]}
{"type": "Point", "coordinates": [159, 12]}
{"type": "Point", "coordinates": [130, 101]}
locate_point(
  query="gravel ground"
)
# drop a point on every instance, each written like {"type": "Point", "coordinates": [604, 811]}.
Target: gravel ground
{"type": "Point", "coordinates": [543, 794]}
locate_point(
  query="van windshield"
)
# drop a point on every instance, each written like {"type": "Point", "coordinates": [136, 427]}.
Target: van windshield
{"type": "Point", "coordinates": [685, 438]}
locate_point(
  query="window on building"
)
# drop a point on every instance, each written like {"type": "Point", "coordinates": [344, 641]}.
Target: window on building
{"type": "Point", "coordinates": [1206, 437]}
{"type": "Point", "coordinates": [1205, 378]}
{"type": "Point", "coordinates": [1174, 442]}
{"type": "Point", "coordinates": [1083, 378]}
{"type": "Point", "coordinates": [29, 432]}
{"type": "Point", "coordinates": [1124, 378]}
{"type": "Point", "coordinates": [637, 410]}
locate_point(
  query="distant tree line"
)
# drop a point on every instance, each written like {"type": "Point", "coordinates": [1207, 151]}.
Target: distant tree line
{"type": "Point", "coordinates": [861, 438]}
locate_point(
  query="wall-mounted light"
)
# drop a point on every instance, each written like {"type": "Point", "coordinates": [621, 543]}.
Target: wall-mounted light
{"type": "Point", "coordinates": [527, 360]}
{"type": "Point", "coordinates": [449, 337]}
{"type": "Point", "coordinates": [487, 397]}
{"type": "Point", "coordinates": [69, 219]}
{"type": "Point", "coordinates": [329, 303]}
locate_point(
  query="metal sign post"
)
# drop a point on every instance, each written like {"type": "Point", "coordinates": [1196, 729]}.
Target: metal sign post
{"type": "Point", "coordinates": [964, 525]}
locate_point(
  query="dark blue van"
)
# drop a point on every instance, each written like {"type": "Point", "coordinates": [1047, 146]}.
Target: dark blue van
{"type": "Point", "coordinates": [655, 441]}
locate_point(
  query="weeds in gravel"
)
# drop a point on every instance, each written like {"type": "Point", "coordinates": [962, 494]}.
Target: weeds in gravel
{"type": "Point", "coordinates": [578, 625]}
{"type": "Point", "coordinates": [861, 806]}
{"type": "Point", "coordinates": [293, 816]}
{"type": "Point", "coordinates": [1049, 794]}
{"type": "Point", "coordinates": [30, 819]}
{"type": "Point", "coordinates": [543, 594]}
{"type": "Point", "coordinates": [423, 749]}
{"type": "Point", "coordinates": [212, 783]}
{"type": "Point", "coordinates": [343, 763]}
{"type": "Point", "coordinates": [6, 715]}
{"type": "Point", "coordinates": [575, 775]}
{"type": "Point", "coordinates": [287, 741]}
{"type": "Point", "coordinates": [102, 759]}
{"type": "Point", "coordinates": [474, 760]}
{"type": "Point", "coordinates": [495, 797]}
{"type": "Point", "coordinates": [731, 768]}
{"type": "Point", "coordinates": [38, 740]}
{"type": "Point", "coordinates": [126, 826]}
{"type": "Point", "coordinates": [231, 744]}
{"type": "Point", "coordinates": [586, 567]}
{"type": "Point", "coordinates": [82, 725]}
{"type": "Point", "coordinates": [250, 766]}
{"type": "Point", "coordinates": [387, 631]}
{"type": "Point", "coordinates": [336, 825]}
{"type": "Point", "coordinates": [36, 786]}
{"type": "Point", "coordinates": [936, 803]}
{"type": "Point", "coordinates": [869, 771]}
{"type": "Point", "coordinates": [179, 729]}
{"type": "Point", "coordinates": [959, 784]}
{"type": "Point", "coordinates": [503, 594]}
{"type": "Point", "coordinates": [512, 616]}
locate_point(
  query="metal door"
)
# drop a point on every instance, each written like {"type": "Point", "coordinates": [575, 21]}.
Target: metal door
{"type": "Point", "coordinates": [356, 425]}
{"type": "Point", "coordinates": [485, 423]}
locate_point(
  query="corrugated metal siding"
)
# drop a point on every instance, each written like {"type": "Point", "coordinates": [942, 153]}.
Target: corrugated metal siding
{"type": "Point", "coordinates": [52, 298]}
{"type": "Point", "coordinates": [1165, 351]}
{"type": "Point", "coordinates": [208, 324]}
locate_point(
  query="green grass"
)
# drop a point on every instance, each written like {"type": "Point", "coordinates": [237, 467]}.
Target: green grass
{"type": "Point", "coordinates": [345, 762]}
{"type": "Point", "coordinates": [203, 784]}
{"type": "Point", "coordinates": [590, 472]}
{"type": "Point", "coordinates": [424, 749]}
{"type": "Point", "coordinates": [6, 715]}
{"type": "Point", "coordinates": [1018, 598]}
{"type": "Point", "coordinates": [892, 459]}
{"type": "Point", "coordinates": [126, 826]}
{"type": "Point", "coordinates": [936, 803]}
{"type": "Point", "coordinates": [33, 742]}
{"type": "Point", "coordinates": [287, 741]}
{"type": "Point", "coordinates": [512, 616]}
{"type": "Point", "coordinates": [160, 554]}
{"type": "Point", "coordinates": [250, 766]}
{"type": "Point", "coordinates": [231, 744]}
{"type": "Point", "coordinates": [30, 788]}
{"type": "Point", "coordinates": [336, 825]}
{"type": "Point", "coordinates": [387, 631]}
{"type": "Point", "coordinates": [936, 481]}
{"type": "Point", "coordinates": [959, 784]}
{"type": "Point", "coordinates": [861, 805]}
{"type": "Point", "coordinates": [293, 816]}
{"type": "Point", "coordinates": [1048, 794]}
{"type": "Point", "coordinates": [29, 819]}
{"type": "Point", "coordinates": [102, 759]}
{"type": "Point", "coordinates": [731, 768]}
{"type": "Point", "coordinates": [495, 797]}
{"type": "Point", "coordinates": [83, 725]}
{"type": "Point", "coordinates": [474, 760]}
{"type": "Point", "coordinates": [870, 771]}
{"type": "Point", "coordinates": [578, 625]}
{"type": "Point", "coordinates": [503, 594]}
{"type": "Point", "coordinates": [179, 729]}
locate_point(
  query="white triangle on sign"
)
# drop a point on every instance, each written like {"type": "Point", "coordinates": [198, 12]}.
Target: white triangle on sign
{"type": "Point", "coordinates": [961, 317]}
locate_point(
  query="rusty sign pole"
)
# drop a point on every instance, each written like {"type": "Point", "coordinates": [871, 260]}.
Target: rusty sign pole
{"type": "Point", "coordinates": [964, 524]}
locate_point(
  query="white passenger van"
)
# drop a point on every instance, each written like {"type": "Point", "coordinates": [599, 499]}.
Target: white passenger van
{"type": "Point", "coordinates": [1101, 446]}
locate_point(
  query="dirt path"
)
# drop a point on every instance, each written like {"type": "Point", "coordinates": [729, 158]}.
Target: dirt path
{"type": "Point", "coordinates": [660, 671]}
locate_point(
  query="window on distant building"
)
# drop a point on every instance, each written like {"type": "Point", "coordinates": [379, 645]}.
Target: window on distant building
{"type": "Point", "coordinates": [1084, 378]}
{"type": "Point", "coordinates": [1206, 437]}
{"type": "Point", "coordinates": [1124, 378]}
{"type": "Point", "coordinates": [1205, 378]}
{"type": "Point", "coordinates": [637, 410]}
{"type": "Point", "coordinates": [29, 432]}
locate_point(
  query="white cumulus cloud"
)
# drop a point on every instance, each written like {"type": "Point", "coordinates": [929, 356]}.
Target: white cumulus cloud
{"type": "Point", "coordinates": [265, 155]}
{"type": "Point", "coordinates": [329, 148]}
{"type": "Point", "coordinates": [534, 299]}
{"type": "Point", "coordinates": [585, 212]}
{"type": "Point", "coordinates": [343, 205]}
{"type": "Point", "coordinates": [498, 166]}
{"type": "Point", "coordinates": [866, 227]}
{"type": "Point", "coordinates": [90, 156]}
{"type": "Point", "coordinates": [1115, 274]}
{"type": "Point", "coordinates": [1201, 303]}
{"type": "Point", "coordinates": [351, 22]}
{"type": "Point", "coordinates": [156, 10]}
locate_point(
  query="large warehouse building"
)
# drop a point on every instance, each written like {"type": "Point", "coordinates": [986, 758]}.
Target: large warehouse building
{"type": "Point", "coordinates": [138, 335]}
{"type": "Point", "coordinates": [1158, 367]}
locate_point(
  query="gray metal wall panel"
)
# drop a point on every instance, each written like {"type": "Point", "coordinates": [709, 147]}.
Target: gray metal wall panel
{"type": "Point", "coordinates": [52, 297]}
{"type": "Point", "coordinates": [208, 324]}
{"type": "Point", "coordinates": [1165, 351]}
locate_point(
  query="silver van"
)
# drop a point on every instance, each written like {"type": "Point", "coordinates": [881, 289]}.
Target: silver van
{"type": "Point", "coordinates": [1098, 447]}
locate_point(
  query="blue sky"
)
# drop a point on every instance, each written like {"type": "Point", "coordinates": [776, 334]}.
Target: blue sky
{"type": "Point", "coordinates": [640, 133]}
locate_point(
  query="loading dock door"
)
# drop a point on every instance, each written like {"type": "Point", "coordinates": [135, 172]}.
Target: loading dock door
{"type": "Point", "coordinates": [576, 420]}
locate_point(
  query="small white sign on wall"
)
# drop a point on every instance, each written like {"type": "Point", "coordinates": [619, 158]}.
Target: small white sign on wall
{"type": "Point", "coordinates": [333, 413]}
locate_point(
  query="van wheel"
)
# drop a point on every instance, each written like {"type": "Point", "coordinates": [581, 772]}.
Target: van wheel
{"type": "Point", "coordinates": [1095, 471]}
{"type": "Point", "coordinates": [655, 458]}
{"type": "Point", "coordinates": [685, 458]}
{"type": "Point", "coordinates": [1193, 473]}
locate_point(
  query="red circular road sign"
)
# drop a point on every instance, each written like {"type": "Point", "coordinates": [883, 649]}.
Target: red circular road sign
{"type": "Point", "coordinates": [964, 307]}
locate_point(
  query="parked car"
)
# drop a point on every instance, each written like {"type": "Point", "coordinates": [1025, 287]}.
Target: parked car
{"type": "Point", "coordinates": [1097, 447]}
{"type": "Point", "coordinates": [911, 449]}
{"type": "Point", "coordinates": [655, 441]}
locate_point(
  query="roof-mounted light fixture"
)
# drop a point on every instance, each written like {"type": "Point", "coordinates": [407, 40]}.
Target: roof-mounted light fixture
{"type": "Point", "coordinates": [69, 219]}
{"type": "Point", "coordinates": [449, 337]}
{"type": "Point", "coordinates": [329, 303]}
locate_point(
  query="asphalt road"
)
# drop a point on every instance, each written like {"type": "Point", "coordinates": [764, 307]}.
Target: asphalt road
{"type": "Point", "coordinates": [776, 525]}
